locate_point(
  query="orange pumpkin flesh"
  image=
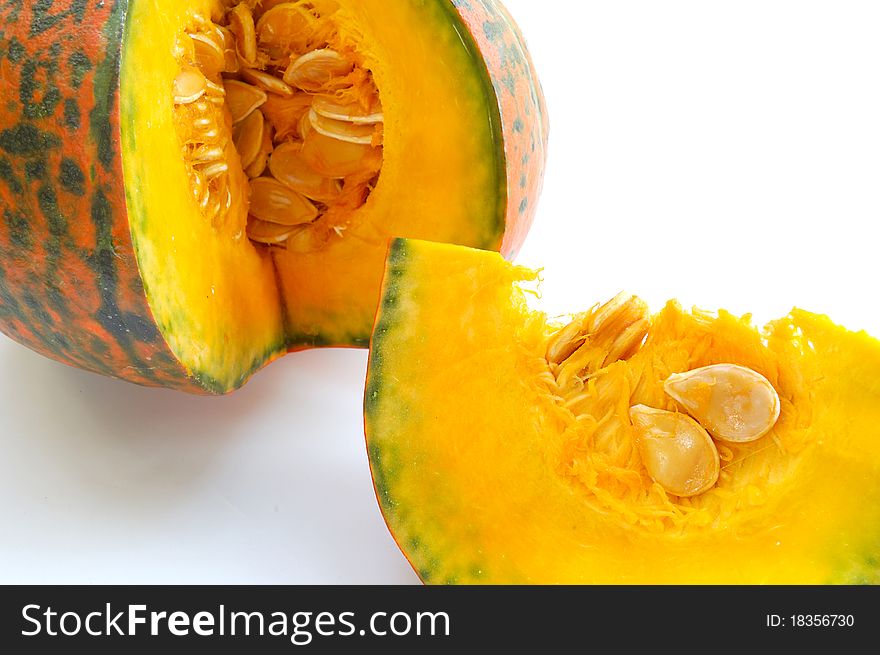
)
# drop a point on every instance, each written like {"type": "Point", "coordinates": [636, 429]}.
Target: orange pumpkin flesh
{"type": "Point", "coordinates": [503, 448]}
{"type": "Point", "coordinates": [114, 259]}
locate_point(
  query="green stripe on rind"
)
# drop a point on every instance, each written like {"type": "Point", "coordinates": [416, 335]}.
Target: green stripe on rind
{"type": "Point", "coordinates": [385, 462]}
{"type": "Point", "coordinates": [219, 388]}
{"type": "Point", "coordinates": [106, 85]}
{"type": "Point", "coordinates": [386, 320]}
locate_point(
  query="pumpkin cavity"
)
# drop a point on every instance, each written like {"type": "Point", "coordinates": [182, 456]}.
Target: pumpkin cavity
{"type": "Point", "coordinates": [274, 104]}
{"type": "Point", "coordinates": [661, 455]}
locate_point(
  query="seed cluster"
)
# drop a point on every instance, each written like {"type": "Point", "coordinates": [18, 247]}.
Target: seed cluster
{"type": "Point", "coordinates": [723, 402]}
{"type": "Point", "coordinates": [278, 84]}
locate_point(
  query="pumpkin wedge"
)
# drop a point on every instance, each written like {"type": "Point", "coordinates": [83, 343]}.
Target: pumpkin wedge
{"type": "Point", "coordinates": [622, 447]}
{"type": "Point", "coordinates": [191, 188]}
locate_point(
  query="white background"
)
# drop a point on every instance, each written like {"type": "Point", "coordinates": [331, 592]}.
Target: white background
{"type": "Point", "coordinates": [725, 153]}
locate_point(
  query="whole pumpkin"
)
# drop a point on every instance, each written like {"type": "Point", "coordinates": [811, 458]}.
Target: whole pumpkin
{"type": "Point", "coordinates": [189, 189]}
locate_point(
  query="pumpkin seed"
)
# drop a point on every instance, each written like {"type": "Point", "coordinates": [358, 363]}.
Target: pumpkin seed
{"type": "Point", "coordinates": [352, 113]}
{"type": "Point", "coordinates": [226, 41]}
{"type": "Point", "coordinates": [314, 70]}
{"type": "Point", "coordinates": [215, 169]}
{"type": "Point", "coordinates": [305, 125]}
{"type": "Point", "coordinates": [225, 37]}
{"type": "Point", "coordinates": [267, 82]}
{"type": "Point", "coordinates": [270, 234]}
{"type": "Point", "coordinates": [341, 130]}
{"type": "Point", "coordinates": [216, 90]}
{"type": "Point", "coordinates": [248, 137]}
{"type": "Point", "coordinates": [214, 35]}
{"type": "Point", "coordinates": [258, 167]}
{"type": "Point", "coordinates": [189, 85]}
{"type": "Point", "coordinates": [288, 167]}
{"type": "Point", "coordinates": [334, 158]}
{"type": "Point", "coordinates": [305, 239]}
{"type": "Point", "coordinates": [206, 154]}
{"type": "Point", "coordinates": [678, 453]}
{"type": "Point", "coordinates": [276, 203]}
{"type": "Point", "coordinates": [615, 311]}
{"type": "Point", "coordinates": [618, 327]}
{"type": "Point", "coordinates": [205, 200]}
{"type": "Point", "coordinates": [232, 62]}
{"type": "Point", "coordinates": [566, 342]}
{"type": "Point", "coordinates": [217, 194]}
{"type": "Point", "coordinates": [283, 28]}
{"type": "Point", "coordinates": [735, 403]}
{"type": "Point", "coordinates": [628, 343]}
{"type": "Point", "coordinates": [241, 21]}
{"type": "Point", "coordinates": [208, 55]}
{"type": "Point", "coordinates": [197, 183]}
{"type": "Point", "coordinates": [242, 99]}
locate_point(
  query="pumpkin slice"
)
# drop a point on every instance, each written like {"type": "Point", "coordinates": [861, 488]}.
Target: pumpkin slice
{"type": "Point", "coordinates": [147, 232]}
{"type": "Point", "coordinates": [506, 448]}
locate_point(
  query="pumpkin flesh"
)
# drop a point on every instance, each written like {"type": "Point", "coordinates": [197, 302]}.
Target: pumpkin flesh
{"type": "Point", "coordinates": [489, 470]}
{"type": "Point", "coordinates": [211, 292]}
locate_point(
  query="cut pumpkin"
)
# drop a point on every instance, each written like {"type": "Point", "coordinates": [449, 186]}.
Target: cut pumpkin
{"type": "Point", "coordinates": [189, 189]}
{"type": "Point", "coordinates": [506, 448]}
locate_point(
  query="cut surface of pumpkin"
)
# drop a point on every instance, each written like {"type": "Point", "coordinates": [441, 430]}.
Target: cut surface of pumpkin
{"type": "Point", "coordinates": [228, 173]}
{"type": "Point", "coordinates": [331, 86]}
{"type": "Point", "coordinates": [507, 447]}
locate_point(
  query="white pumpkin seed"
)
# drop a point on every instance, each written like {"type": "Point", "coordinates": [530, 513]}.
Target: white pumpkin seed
{"type": "Point", "coordinates": [189, 85]}
{"type": "Point", "coordinates": [242, 99]}
{"type": "Point", "coordinates": [314, 70]}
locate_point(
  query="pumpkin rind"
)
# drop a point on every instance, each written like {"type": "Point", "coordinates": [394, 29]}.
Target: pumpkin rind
{"type": "Point", "coordinates": [69, 282]}
{"type": "Point", "coordinates": [473, 454]}
{"type": "Point", "coordinates": [524, 119]}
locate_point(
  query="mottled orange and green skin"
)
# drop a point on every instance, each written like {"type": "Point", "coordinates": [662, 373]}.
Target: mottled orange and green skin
{"type": "Point", "coordinates": [70, 285]}
{"type": "Point", "coordinates": [520, 99]}
{"type": "Point", "coordinates": [69, 282]}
